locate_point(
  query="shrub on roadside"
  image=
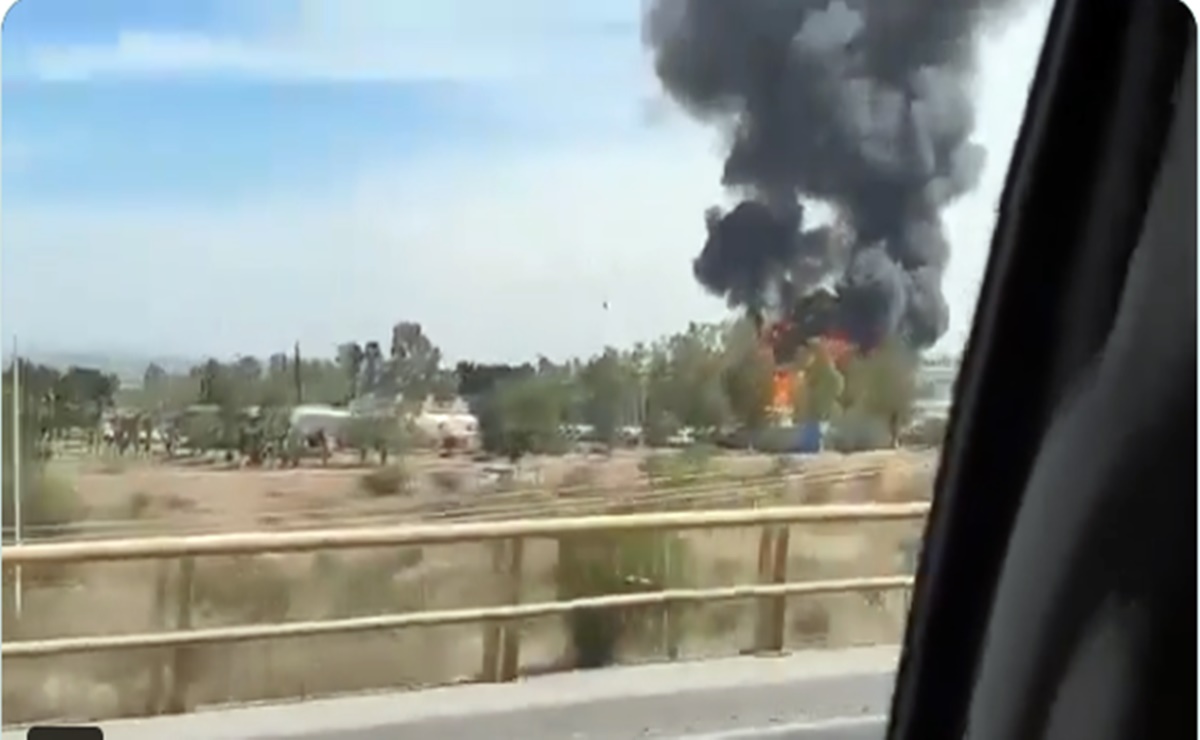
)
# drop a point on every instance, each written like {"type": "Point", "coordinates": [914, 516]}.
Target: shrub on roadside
{"type": "Point", "coordinates": [677, 470]}
{"type": "Point", "coordinates": [579, 479]}
{"type": "Point", "coordinates": [390, 480]}
{"type": "Point", "coordinates": [608, 564]}
{"type": "Point", "coordinates": [245, 589]}
{"type": "Point", "coordinates": [927, 433]}
{"type": "Point", "coordinates": [383, 435]}
{"type": "Point", "coordinates": [371, 585]}
{"type": "Point", "coordinates": [138, 505]}
{"type": "Point", "coordinates": [699, 456]}
{"type": "Point", "coordinates": [858, 431]}
{"type": "Point", "coordinates": [50, 505]}
{"type": "Point", "coordinates": [448, 481]}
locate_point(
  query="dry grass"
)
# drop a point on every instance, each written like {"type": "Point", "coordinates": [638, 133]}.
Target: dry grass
{"type": "Point", "coordinates": [119, 598]}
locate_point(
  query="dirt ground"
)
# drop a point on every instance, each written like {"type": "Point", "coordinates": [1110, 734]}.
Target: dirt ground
{"type": "Point", "coordinates": [142, 497]}
{"type": "Point", "coordinates": [129, 496]}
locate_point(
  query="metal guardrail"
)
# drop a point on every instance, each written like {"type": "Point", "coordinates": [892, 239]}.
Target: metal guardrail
{"type": "Point", "coordinates": [501, 634]}
{"type": "Point", "coordinates": [407, 535]}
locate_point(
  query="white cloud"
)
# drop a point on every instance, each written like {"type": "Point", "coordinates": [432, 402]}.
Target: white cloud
{"type": "Point", "coordinates": [143, 55]}
{"type": "Point", "coordinates": [463, 40]}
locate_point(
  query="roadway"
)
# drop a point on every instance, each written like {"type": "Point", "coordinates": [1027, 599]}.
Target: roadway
{"type": "Point", "coordinates": [808, 695]}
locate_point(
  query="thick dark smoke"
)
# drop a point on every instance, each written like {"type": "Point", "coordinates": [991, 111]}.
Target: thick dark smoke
{"type": "Point", "coordinates": [864, 105]}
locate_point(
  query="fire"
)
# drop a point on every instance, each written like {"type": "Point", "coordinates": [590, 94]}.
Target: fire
{"type": "Point", "coordinates": [838, 348]}
{"type": "Point", "coordinates": [788, 374]}
{"type": "Point", "coordinates": [781, 390]}
{"type": "Point", "coordinates": [782, 377]}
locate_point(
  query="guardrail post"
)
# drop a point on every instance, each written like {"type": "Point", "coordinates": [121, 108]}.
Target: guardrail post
{"type": "Point", "coordinates": [158, 618]}
{"type": "Point", "coordinates": [510, 652]}
{"type": "Point", "coordinates": [771, 617]}
{"type": "Point", "coordinates": [502, 640]}
{"type": "Point", "coordinates": [779, 563]}
{"type": "Point", "coordinates": [181, 670]}
{"type": "Point", "coordinates": [674, 618]}
{"type": "Point", "coordinates": [673, 611]}
{"type": "Point", "coordinates": [766, 540]}
{"type": "Point", "coordinates": [492, 631]}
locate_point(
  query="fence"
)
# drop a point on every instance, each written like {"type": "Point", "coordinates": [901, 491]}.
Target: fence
{"type": "Point", "coordinates": [501, 642]}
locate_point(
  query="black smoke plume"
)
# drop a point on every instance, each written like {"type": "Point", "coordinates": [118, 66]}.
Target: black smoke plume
{"type": "Point", "coordinates": [864, 105]}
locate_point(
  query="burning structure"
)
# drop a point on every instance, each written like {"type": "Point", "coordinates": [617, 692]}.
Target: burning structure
{"type": "Point", "coordinates": [860, 105]}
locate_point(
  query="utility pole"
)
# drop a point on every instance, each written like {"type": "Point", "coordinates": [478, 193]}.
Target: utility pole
{"type": "Point", "coordinates": [17, 488]}
{"type": "Point", "coordinates": [297, 376]}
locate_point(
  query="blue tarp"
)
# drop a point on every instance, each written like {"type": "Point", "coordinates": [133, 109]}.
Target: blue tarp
{"type": "Point", "coordinates": [808, 438]}
{"type": "Point", "coordinates": [797, 439]}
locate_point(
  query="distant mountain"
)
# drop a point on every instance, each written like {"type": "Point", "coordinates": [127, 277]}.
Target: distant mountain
{"type": "Point", "coordinates": [126, 365]}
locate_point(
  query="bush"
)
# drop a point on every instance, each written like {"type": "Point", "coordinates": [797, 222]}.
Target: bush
{"type": "Point", "coordinates": [602, 565]}
{"type": "Point", "coordinates": [391, 480]}
{"type": "Point", "coordinates": [698, 456]}
{"type": "Point", "coordinates": [655, 465]}
{"type": "Point", "coordinates": [783, 466]}
{"type": "Point", "coordinates": [926, 433]}
{"type": "Point", "coordinates": [365, 586]}
{"type": "Point", "coordinates": [381, 434]}
{"type": "Point", "coordinates": [50, 505]}
{"type": "Point", "coordinates": [676, 470]}
{"type": "Point", "coordinates": [419, 439]}
{"type": "Point", "coordinates": [138, 505]}
{"type": "Point", "coordinates": [204, 431]}
{"type": "Point", "coordinates": [448, 481]}
{"type": "Point", "coordinates": [858, 431]}
{"type": "Point", "coordinates": [245, 589]}
{"type": "Point", "coordinates": [51, 510]}
{"type": "Point", "coordinates": [579, 479]}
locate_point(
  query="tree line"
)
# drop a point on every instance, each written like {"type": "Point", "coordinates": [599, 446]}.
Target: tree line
{"type": "Point", "coordinates": [708, 380]}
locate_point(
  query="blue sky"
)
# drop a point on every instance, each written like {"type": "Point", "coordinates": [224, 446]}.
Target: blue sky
{"type": "Point", "coordinates": [224, 176]}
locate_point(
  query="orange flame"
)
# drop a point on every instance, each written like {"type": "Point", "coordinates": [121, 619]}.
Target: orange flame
{"type": "Point", "coordinates": [781, 390]}
{"type": "Point", "coordinates": [838, 349]}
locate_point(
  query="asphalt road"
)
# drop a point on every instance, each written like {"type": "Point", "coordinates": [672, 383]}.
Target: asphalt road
{"type": "Point", "coordinates": [813, 695]}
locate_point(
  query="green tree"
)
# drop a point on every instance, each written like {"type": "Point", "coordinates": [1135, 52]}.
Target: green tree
{"type": "Point", "coordinates": [883, 384]}
{"type": "Point", "coordinates": [247, 371]}
{"type": "Point", "coordinates": [747, 377]}
{"type": "Point", "coordinates": [215, 386]}
{"type": "Point", "coordinates": [86, 393]}
{"type": "Point", "coordinates": [350, 359]}
{"type": "Point", "coordinates": [413, 362]}
{"type": "Point", "coordinates": [607, 386]}
{"type": "Point", "coordinates": [823, 389]}
{"type": "Point", "coordinates": [219, 391]}
{"type": "Point", "coordinates": [46, 503]}
{"type": "Point", "coordinates": [528, 413]}
{"type": "Point", "coordinates": [372, 368]}
{"type": "Point", "coordinates": [382, 434]}
{"type": "Point", "coordinates": [660, 419]}
{"type": "Point", "coordinates": [203, 429]}
{"type": "Point", "coordinates": [697, 396]}
{"type": "Point", "coordinates": [444, 386]}
{"type": "Point", "coordinates": [153, 377]}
